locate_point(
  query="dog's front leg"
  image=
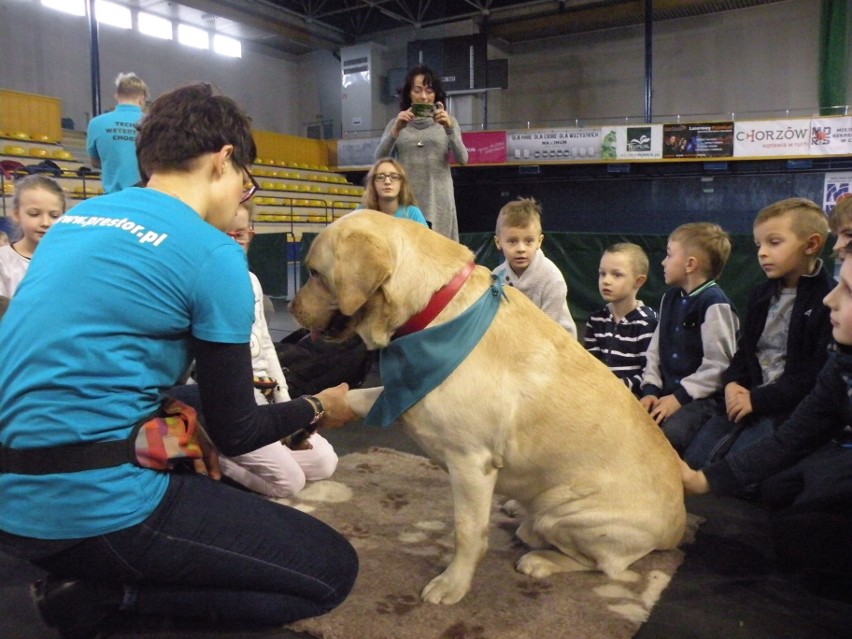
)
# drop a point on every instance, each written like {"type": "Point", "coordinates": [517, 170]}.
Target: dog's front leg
{"type": "Point", "coordinates": [472, 481]}
{"type": "Point", "coordinates": [361, 400]}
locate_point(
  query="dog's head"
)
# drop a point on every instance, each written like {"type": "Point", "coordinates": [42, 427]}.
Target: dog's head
{"type": "Point", "coordinates": [370, 272]}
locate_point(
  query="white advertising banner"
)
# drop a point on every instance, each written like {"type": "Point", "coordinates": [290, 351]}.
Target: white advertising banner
{"type": "Point", "coordinates": [767, 138]}
{"type": "Point", "coordinates": [553, 145]}
{"type": "Point", "coordinates": [356, 152]}
{"type": "Point", "coordinates": [639, 142]}
{"type": "Point", "coordinates": [831, 136]}
{"type": "Point", "coordinates": [838, 187]}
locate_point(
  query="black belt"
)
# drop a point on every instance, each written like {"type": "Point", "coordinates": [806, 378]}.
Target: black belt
{"type": "Point", "coordinates": [66, 459]}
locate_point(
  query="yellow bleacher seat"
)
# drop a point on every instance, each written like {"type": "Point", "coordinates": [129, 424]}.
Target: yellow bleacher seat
{"type": "Point", "coordinates": [37, 152]}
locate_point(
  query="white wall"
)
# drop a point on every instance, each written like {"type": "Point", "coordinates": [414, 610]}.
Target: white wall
{"type": "Point", "coordinates": [47, 52]}
{"type": "Point", "coordinates": [754, 62]}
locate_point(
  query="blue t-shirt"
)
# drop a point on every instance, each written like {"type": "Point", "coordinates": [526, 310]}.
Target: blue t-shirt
{"type": "Point", "coordinates": [411, 213]}
{"type": "Point", "coordinates": [111, 138]}
{"type": "Point", "coordinates": [98, 328]}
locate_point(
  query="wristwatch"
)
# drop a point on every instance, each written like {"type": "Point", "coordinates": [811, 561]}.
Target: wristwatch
{"type": "Point", "coordinates": [316, 404]}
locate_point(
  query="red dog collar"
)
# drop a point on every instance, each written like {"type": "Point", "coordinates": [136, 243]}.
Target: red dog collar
{"type": "Point", "coordinates": [437, 304]}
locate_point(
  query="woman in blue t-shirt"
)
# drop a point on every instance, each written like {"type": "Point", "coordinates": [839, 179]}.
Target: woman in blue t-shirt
{"type": "Point", "coordinates": [386, 189]}
{"type": "Point", "coordinates": [122, 294]}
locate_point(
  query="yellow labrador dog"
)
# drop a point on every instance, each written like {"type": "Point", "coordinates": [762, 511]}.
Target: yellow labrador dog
{"type": "Point", "coordinates": [528, 413]}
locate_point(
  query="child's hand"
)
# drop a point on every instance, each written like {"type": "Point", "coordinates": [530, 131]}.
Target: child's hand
{"type": "Point", "coordinates": [649, 402]}
{"type": "Point", "coordinates": [737, 402]}
{"type": "Point", "coordinates": [665, 408]}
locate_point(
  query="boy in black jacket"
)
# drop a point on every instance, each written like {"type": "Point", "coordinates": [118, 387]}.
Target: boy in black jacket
{"type": "Point", "coordinates": [784, 340]}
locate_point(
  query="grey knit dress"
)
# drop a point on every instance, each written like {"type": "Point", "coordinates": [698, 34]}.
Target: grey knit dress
{"type": "Point", "coordinates": [423, 148]}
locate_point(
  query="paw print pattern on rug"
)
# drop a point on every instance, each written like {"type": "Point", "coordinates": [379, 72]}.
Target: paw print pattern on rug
{"type": "Point", "coordinates": [354, 531]}
{"type": "Point", "coordinates": [635, 605]}
{"type": "Point", "coordinates": [365, 469]}
{"type": "Point", "coordinates": [429, 538]}
{"type": "Point", "coordinates": [461, 630]}
{"type": "Point", "coordinates": [397, 604]}
{"type": "Point", "coordinates": [394, 500]}
{"type": "Point", "coordinates": [534, 588]}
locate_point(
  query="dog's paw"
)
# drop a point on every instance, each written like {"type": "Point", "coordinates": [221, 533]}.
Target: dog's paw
{"type": "Point", "coordinates": [443, 590]}
{"type": "Point", "coordinates": [512, 507]}
{"type": "Point", "coordinates": [536, 566]}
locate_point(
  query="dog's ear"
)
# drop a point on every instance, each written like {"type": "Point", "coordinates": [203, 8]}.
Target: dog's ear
{"type": "Point", "coordinates": [361, 264]}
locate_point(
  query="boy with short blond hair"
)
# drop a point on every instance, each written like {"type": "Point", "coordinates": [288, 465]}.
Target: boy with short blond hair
{"type": "Point", "coordinates": [785, 336]}
{"type": "Point", "coordinates": [620, 332]}
{"type": "Point", "coordinates": [519, 237]}
{"type": "Point", "coordinates": [696, 335]}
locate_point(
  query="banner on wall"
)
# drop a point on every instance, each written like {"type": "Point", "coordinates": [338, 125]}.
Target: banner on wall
{"type": "Point", "coordinates": [356, 152]}
{"type": "Point", "coordinates": [553, 145]}
{"type": "Point", "coordinates": [484, 147]}
{"type": "Point", "coordinates": [831, 136]}
{"type": "Point", "coordinates": [639, 142]}
{"type": "Point", "coordinates": [699, 140]}
{"type": "Point", "coordinates": [838, 187]}
{"type": "Point", "coordinates": [767, 138]}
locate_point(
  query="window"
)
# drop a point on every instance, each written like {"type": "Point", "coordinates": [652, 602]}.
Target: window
{"type": "Point", "coordinates": [155, 26]}
{"type": "Point", "coordinates": [113, 14]}
{"type": "Point", "coordinates": [74, 7]}
{"type": "Point", "coordinates": [227, 46]}
{"type": "Point", "coordinates": [193, 37]}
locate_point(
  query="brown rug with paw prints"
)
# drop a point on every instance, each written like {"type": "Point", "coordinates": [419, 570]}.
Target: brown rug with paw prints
{"type": "Point", "coordinates": [396, 510]}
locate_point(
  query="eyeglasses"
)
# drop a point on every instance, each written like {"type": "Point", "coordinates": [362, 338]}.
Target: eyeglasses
{"type": "Point", "coordinates": [242, 234]}
{"type": "Point", "coordinates": [381, 177]}
{"type": "Point", "coordinates": [250, 189]}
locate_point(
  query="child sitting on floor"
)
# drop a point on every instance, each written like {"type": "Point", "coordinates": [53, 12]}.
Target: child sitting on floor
{"type": "Point", "coordinates": [620, 332]}
{"type": "Point", "coordinates": [785, 336]}
{"type": "Point", "coordinates": [696, 335]}
{"type": "Point", "coordinates": [526, 268]}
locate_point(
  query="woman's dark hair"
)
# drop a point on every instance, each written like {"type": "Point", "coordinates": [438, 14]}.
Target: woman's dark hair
{"type": "Point", "coordinates": [188, 122]}
{"type": "Point", "coordinates": [430, 79]}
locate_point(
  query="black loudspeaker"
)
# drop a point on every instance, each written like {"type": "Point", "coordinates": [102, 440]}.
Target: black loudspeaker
{"type": "Point", "coordinates": [396, 79]}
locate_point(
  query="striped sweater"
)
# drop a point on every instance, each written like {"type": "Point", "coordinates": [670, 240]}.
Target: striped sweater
{"type": "Point", "coordinates": [622, 346]}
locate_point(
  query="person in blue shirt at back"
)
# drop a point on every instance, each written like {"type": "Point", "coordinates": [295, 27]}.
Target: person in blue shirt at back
{"type": "Point", "coordinates": [386, 189]}
{"type": "Point", "coordinates": [120, 296]}
{"type": "Point", "coordinates": [111, 136]}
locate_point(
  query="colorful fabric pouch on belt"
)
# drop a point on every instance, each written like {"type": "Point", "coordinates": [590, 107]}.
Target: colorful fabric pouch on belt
{"type": "Point", "coordinates": [168, 438]}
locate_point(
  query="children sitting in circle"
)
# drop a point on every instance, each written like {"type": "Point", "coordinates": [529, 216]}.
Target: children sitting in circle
{"type": "Point", "coordinates": [38, 202]}
{"type": "Point", "coordinates": [387, 190]}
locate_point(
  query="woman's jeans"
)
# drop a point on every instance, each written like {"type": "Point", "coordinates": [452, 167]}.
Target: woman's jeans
{"type": "Point", "coordinates": [213, 552]}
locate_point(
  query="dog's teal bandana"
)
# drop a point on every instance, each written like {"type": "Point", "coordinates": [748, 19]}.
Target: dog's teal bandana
{"type": "Point", "coordinates": [414, 364]}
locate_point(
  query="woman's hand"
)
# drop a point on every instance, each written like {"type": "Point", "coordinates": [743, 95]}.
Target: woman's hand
{"type": "Point", "coordinates": [337, 410]}
{"type": "Point", "coordinates": [694, 481]}
{"type": "Point", "coordinates": [442, 116]}
{"type": "Point", "coordinates": [209, 462]}
{"type": "Point", "coordinates": [402, 120]}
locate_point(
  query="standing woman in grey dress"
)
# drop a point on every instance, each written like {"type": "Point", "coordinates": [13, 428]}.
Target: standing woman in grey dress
{"type": "Point", "coordinates": [423, 145]}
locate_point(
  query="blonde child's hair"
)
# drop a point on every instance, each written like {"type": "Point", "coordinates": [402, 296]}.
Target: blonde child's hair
{"type": "Point", "coordinates": [841, 214]}
{"type": "Point", "coordinates": [635, 255]}
{"type": "Point", "coordinates": [36, 181]}
{"type": "Point", "coordinates": [370, 198]}
{"type": "Point", "coordinates": [709, 240]}
{"type": "Point", "coordinates": [130, 85]}
{"type": "Point", "coordinates": [519, 213]}
{"type": "Point", "coordinates": [807, 217]}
